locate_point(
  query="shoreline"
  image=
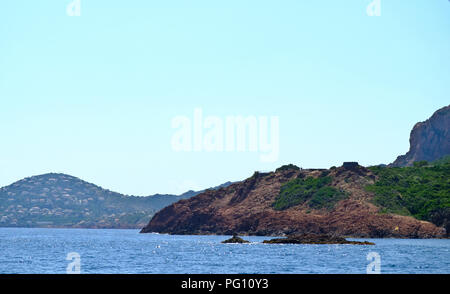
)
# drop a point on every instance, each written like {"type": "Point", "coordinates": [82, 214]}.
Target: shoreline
{"type": "Point", "coordinates": [218, 235]}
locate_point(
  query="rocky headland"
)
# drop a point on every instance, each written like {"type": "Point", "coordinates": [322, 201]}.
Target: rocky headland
{"type": "Point", "coordinates": [291, 201]}
{"type": "Point", "coordinates": [408, 199]}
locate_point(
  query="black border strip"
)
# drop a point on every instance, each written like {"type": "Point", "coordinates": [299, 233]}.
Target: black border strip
{"type": "Point", "coordinates": [274, 282]}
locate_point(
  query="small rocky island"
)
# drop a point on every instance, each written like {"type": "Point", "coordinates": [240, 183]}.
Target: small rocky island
{"type": "Point", "coordinates": [315, 239]}
{"type": "Point", "coordinates": [235, 239]}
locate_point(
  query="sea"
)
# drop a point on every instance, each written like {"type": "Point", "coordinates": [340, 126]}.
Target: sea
{"type": "Point", "coordinates": [92, 251]}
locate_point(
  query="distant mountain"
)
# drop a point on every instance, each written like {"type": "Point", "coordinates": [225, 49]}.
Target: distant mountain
{"type": "Point", "coordinates": [429, 140]}
{"type": "Point", "coordinates": [159, 201]}
{"type": "Point", "coordinates": [59, 200]}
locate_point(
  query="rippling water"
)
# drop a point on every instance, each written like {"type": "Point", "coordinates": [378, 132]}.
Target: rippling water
{"type": "Point", "coordinates": [127, 251]}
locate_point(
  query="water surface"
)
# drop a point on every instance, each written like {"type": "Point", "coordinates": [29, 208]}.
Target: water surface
{"type": "Point", "coordinates": [126, 251]}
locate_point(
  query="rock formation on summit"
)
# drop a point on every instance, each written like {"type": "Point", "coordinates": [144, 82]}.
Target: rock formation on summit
{"type": "Point", "coordinates": [429, 140]}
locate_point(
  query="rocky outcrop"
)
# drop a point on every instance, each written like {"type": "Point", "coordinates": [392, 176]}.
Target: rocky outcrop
{"type": "Point", "coordinates": [235, 240]}
{"type": "Point", "coordinates": [246, 208]}
{"type": "Point", "coordinates": [315, 239]}
{"type": "Point", "coordinates": [429, 140]}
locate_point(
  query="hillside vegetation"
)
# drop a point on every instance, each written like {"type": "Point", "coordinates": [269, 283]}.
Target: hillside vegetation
{"type": "Point", "coordinates": [59, 200]}
{"type": "Point", "coordinates": [315, 192]}
{"type": "Point", "coordinates": [421, 191]}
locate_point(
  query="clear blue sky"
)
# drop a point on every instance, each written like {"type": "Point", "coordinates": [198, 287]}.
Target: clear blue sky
{"type": "Point", "coordinates": [93, 96]}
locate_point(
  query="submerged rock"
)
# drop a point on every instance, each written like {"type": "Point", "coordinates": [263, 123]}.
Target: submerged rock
{"type": "Point", "coordinates": [235, 239]}
{"type": "Point", "coordinates": [315, 239]}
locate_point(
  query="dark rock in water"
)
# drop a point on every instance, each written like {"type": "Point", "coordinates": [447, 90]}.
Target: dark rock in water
{"type": "Point", "coordinates": [314, 239]}
{"type": "Point", "coordinates": [235, 239]}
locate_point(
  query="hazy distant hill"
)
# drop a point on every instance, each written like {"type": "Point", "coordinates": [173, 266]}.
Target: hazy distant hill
{"type": "Point", "coordinates": [59, 200]}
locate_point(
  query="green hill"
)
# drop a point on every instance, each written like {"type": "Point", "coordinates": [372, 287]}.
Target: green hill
{"type": "Point", "coordinates": [421, 191]}
{"type": "Point", "coordinates": [59, 200]}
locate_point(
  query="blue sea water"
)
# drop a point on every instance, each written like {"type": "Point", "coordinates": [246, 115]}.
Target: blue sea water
{"type": "Point", "coordinates": [128, 252]}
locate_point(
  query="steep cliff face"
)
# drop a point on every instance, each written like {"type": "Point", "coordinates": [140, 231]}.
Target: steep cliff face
{"type": "Point", "coordinates": [429, 140]}
{"type": "Point", "coordinates": [247, 208]}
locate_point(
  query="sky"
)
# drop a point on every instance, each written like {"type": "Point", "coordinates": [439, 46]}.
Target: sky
{"type": "Point", "coordinates": [95, 95]}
